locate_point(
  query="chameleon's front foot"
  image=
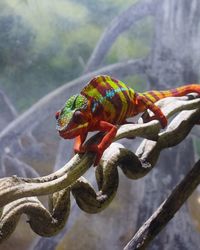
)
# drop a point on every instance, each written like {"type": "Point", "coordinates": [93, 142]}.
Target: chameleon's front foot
{"type": "Point", "coordinates": [79, 150]}
{"type": "Point", "coordinates": [91, 148]}
{"type": "Point", "coordinates": [78, 145]}
{"type": "Point", "coordinates": [99, 152]}
{"type": "Point", "coordinates": [102, 126]}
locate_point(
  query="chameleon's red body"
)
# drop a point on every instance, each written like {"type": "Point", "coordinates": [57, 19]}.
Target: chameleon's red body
{"type": "Point", "coordinates": [109, 103]}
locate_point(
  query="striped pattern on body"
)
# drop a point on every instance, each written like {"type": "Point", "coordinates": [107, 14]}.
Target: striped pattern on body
{"type": "Point", "coordinates": [155, 95]}
{"type": "Point", "coordinates": [111, 100]}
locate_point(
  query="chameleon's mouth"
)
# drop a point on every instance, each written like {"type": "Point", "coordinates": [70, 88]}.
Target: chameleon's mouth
{"type": "Point", "coordinates": [61, 128]}
{"type": "Point", "coordinates": [68, 133]}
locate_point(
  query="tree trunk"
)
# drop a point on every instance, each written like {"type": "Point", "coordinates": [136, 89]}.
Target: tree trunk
{"type": "Point", "coordinates": [175, 54]}
{"type": "Point", "coordinates": [174, 61]}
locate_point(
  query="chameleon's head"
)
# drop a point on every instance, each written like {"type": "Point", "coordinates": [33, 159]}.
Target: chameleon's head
{"type": "Point", "coordinates": [71, 120]}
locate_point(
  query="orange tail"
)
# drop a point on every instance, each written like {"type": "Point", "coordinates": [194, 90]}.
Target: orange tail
{"type": "Point", "coordinates": [155, 95]}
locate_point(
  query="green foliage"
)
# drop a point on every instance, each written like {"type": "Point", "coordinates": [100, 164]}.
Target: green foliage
{"type": "Point", "coordinates": [135, 43]}
{"type": "Point", "coordinates": [137, 82]}
{"type": "Point", "coordinates": [44, 44]}
{"type": "Point", "coordinates": [103, 11]}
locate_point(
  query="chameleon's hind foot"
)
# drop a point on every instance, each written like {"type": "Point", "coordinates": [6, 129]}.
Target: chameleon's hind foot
{"type": "Point", "coordinates": [162, 119]}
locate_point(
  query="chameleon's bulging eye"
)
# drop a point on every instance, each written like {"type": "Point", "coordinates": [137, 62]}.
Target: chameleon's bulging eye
{"type": "Point", "coordinates": [57, 114]}
{"type": "Point", "coordinates": [78, 117]}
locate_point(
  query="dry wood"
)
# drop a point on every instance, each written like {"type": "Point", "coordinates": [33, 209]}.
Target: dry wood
{"type": "Point", "coordinates": [13, 190]}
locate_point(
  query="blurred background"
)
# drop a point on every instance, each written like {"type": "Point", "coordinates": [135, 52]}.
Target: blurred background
{"type": "Point", "coordinates": [48, 51]}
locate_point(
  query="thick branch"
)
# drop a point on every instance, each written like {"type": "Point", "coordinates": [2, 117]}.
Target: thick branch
{"type": "Point", "coordinates": [166, 211]}
{"type": "Point", "coordinates": [13, 188]}
{"type": "Point", "coordinates": [42, 221]}
{"type": "Point", "coordinates": [49, 243]}
{"type": "Point", "coordinates": [69, 177]}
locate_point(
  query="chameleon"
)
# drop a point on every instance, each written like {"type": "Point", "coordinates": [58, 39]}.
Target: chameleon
{"type": "Point", "coordinates": [103, 104]}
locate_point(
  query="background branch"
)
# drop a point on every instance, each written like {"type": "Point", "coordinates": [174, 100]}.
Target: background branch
{"type": "Point", "coordinates": [118, 25]}
{"type": "Point", "coordinates": [166, 210]}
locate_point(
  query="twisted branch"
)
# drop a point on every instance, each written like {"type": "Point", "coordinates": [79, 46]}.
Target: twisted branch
{"type": "Point", "coordinates": [13, 190]}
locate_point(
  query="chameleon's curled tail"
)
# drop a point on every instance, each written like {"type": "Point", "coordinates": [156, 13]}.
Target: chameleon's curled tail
{"type": "Point", "coordinates": [155, 95]}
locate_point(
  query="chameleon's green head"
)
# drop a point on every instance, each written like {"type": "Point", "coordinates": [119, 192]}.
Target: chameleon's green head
{"type": "Point", "coordinates": [70, 119]}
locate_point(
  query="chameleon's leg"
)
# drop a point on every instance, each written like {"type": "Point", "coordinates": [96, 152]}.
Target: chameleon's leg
{"type": "Point", "coordinates": [105, 142]}
{"type": "Point", "coordinates": [78, 144]}
{"type": "Point", "coordinates": [155, 109]}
